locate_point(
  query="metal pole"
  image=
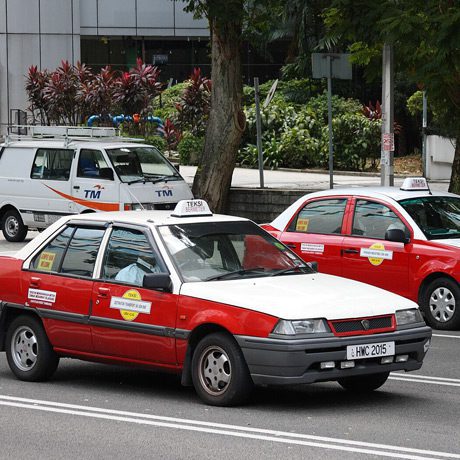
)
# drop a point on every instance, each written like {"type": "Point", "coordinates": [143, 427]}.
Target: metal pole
{"type": "Point", "coordinates": [424, 124]}
{"type": "Point", "coordinates": [329, 118]}
{"type": "Point", "coordinates": [387, 150]}
{"type": "Point", "coordinates": [259, 133]}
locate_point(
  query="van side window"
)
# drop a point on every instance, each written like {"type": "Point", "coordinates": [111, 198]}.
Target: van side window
{"type": "Point", "coordinates": [52, 164]}
{"type": "Point", "coordinates": [321, 216]}
{"type": "Point", "coordinates": [92, 165]}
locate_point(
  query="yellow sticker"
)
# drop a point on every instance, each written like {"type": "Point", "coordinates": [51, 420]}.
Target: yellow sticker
{"type": "Point", "coordinates": [302, 225]}
{"type": "Point", "coordinates": [46, 261]}
{"type": "Point", "coordinates": [376, 254]}
{"type": "Point", "coordinates": [130, 305]}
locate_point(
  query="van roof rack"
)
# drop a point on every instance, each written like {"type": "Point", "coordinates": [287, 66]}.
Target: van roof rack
{"type": "Point", "coordinates": [68, 133]}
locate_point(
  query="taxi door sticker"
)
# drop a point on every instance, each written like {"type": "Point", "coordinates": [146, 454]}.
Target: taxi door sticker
{"type": "Point", "coordinates": [302, 225]}
{"type": "Point", "coordinates": [130, 305]}
{"type": "Point", "coordinates": [41, 297]}
{"type": "Point", "coordinates": [376, 254]}
{"type": "Point", "coordinates": [46, 261]}
{"type": "Point", "coordinates": [312, 248]}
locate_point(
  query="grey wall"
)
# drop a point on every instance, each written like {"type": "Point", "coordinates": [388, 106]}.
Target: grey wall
{"type": "Point", "coordinates": [45, 32]}
{"type": "Point", "coordinates": [34, 32]}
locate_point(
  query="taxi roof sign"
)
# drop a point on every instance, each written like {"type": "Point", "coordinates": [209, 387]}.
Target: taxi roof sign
{"type": "Point", "coordinates": [415, 183]}
{"type": "Point", "coordinates": [191, 208]}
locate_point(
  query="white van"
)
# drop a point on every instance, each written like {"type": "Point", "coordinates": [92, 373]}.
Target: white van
{"type": "Point", "coordinates": [55, 171]}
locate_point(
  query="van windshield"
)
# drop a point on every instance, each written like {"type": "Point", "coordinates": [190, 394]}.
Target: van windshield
{"type": "Point", "coordinates": [138, 164]}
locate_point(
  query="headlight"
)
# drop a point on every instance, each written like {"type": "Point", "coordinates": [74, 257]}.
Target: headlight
{"type": "Point", "coordinates": [409, 316]}
{"type": "Point", "coordinates": [303, 326]}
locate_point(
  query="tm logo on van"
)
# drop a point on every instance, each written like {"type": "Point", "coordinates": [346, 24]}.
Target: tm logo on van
{"type": "Point", "coordinates": [94, 194]}
{"type": "Point", "coordinates": [164, 192]}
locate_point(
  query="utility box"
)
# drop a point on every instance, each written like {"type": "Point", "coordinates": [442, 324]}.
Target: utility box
{"type": "Point", "coordinates": [440, 153]}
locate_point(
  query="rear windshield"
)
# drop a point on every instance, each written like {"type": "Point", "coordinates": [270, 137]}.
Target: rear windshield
{"type": "Point", "coordinates": [437, 216]}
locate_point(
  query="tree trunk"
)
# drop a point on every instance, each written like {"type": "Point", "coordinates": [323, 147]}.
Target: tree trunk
{"type": "Point", "coordinates": [226, 118]}
{"type": "Point", "coordinates": [454, 186]}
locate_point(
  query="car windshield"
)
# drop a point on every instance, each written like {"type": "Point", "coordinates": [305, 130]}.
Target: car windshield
{"type": "Point", "coordinates": [437, 216]}
{"type": "Point", "coordinates": [138, 164]}
{"type": "Point", "coordinates": [214, 251]}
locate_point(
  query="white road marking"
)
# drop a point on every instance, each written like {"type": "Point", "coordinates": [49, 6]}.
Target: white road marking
{"type": "Point", "coordinates": [409, 379]}
{"type": "Point", "coordinates": [228, 430]}
{"type": "Point", "coordinates": [425, 377]}
{"type": "Point", "coordinates": [447, 336]}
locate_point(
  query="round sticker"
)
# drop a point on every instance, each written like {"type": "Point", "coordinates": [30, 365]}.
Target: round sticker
{"type": "Point", "coordinates": [376, 260]}
{"type": "Point", "coordinates": [127, 315]}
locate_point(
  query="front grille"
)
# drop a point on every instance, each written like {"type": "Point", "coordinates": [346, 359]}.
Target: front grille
{"type": "Point", "coordinates": [361, 326]}
{"type": "Point", "coordinates": [165, 206]}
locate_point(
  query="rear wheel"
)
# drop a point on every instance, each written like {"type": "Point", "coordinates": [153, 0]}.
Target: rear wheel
{"type": "Point", "coordinates": [441, 304]}
{"type": "Point", "coordinates": [13, 227]}
{"type": "Point", "coordinates": [28, 350]}
{"type": "Point", "coordinates": [219, 372]}
{"type": "Point", "coordinates": [364, 383]}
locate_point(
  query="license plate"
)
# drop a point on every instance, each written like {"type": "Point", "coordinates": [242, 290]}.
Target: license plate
{"type": "Point", "coordinates": [370, 350]}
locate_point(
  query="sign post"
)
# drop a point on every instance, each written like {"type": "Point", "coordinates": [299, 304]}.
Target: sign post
{"type": "Point", "coordinates": [331, 65]}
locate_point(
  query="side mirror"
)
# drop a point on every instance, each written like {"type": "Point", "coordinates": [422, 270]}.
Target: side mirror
{"type": "Point", "coordinates": [313, 266]}
{"type": "Point", "coordinates": [397, 235]}
{"type": "Point", "coordinates": [158, 282]}
{"type": "Point", "coordinates": [106, 173]}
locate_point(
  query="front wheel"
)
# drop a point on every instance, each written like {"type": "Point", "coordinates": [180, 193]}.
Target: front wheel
{"type": "Point", "coordinates": [13, 227]}
{"type": "Point", "coordinates": [364, 383]}
{"type": "Point", "coordinates": [441, 304]}
{"type": "Point", "coordinates": [219, 372]}
{"type": "Point", "coordinates": [28, 350]}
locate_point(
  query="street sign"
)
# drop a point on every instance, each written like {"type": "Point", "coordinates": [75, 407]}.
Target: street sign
{"type": "Point", "coordinates": [388, 142]}
{"type": "Point", "coordinates": [341, 65]}
{"type": "Point", "coordinates": [270, 94]}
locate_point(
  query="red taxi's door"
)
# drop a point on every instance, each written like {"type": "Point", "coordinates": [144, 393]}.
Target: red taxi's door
{"type": "Point", "coordinates": [127, 320]}
{"type": "Point", "coordinates": [368, 257]}
{"type": "Point", "coordinates": [59, 284]}
{"type": "Point", "coordinates": [315, 233]}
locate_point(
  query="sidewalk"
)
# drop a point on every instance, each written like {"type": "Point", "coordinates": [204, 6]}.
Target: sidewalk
{"type": "Point", "coordinates": [289, 179]}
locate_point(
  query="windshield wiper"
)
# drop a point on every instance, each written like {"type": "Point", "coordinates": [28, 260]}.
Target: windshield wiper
{"type": "Point", "coordinates": [243, 271]}
{"type": "Point", "coordinates": [135, 181]}
{"type": "Point", "coordinates": [291, 270]}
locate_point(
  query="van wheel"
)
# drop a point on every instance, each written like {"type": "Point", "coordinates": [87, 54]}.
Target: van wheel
{"type": "Point", "coordinates": [219, 372]}
{"type": "Point", "coordinates": [28, 350]}
{"type": "Point", "coordinates": [13, 227]}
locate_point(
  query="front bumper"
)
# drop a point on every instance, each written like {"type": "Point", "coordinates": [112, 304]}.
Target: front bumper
{"type": "Point", "coordinates": [297, 361]}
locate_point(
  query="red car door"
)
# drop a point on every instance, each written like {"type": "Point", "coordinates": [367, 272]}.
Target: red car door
{"type": "Point", "coordinates": [315, 233]}
{"type": "Point", "coordinates": [59, 284]}
{"type": "Point", "coordinates": [368, 257]}
{"type": "Point", "coordinates": [127, 320]}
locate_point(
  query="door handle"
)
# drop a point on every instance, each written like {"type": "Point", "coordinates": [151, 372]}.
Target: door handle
{"type": "Point", "coordinates": [350, 251]}
{"type": "Point", "coordinates": [103, 292]}
{"type": "Point", "coordinates": [34, 281]}
{"type": "Point", "coordinates": [76, 187]}
{"type": "Point", "coordinates": [291, 246]}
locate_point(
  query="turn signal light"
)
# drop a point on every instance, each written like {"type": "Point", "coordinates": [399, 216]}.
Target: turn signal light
{"type": "Point", "coordinates": [327, 365]}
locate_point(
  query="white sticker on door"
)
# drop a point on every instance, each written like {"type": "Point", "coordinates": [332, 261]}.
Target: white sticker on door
{"type": "Point", "coordinates": [376, 254]}
{"type": "Point", "coordinates": [312, 248]}
{"type": "Point", "coordinates": [41, 297]}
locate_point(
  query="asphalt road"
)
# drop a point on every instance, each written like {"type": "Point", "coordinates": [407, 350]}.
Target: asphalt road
{"type": "Point", "coordinates": [96, 411]}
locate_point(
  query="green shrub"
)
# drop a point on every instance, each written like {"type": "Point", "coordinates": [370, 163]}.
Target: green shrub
{"type": "Point", "coordinates": [158, 142]}
{"type": "Point", "coordinates": [190, 149]}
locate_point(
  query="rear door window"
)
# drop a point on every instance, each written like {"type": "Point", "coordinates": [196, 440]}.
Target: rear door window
{"type": "Point", "coordinates": [321, 216]}
{"type": "Point", "coordinates": [52, 164]}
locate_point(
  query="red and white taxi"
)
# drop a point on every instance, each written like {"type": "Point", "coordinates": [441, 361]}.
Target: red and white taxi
{"type": "Point", "coordinates": [405, 240]}
{"type": "Point", "coordinates": [213, 298]}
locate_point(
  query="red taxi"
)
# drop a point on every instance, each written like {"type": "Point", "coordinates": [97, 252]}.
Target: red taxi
{"type": "Point", "coordinates": [405, 240]}
{"type": "Point", "coordinates": [213, 298]}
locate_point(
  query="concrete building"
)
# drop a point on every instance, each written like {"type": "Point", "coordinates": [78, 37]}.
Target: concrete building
{"type": "Point", "coordinates": [101, 32]}
{"type": "Point", "coordinates": [97, 32]}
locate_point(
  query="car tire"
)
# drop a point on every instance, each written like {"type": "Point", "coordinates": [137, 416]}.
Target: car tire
{"type": "Point", "coordinates": [364, 383]}
{"type": "Point", "coordinates": [219, 372]}
{"type": "Point", "coordinates": [29, 353]}
{"type": "Point", "coordinates": [13, 227]}
{"type": "Point", "coordinates": [441, 304]}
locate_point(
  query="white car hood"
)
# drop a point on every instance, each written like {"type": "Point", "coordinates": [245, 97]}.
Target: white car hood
{"type": "Point", "coordinates": [455, 242]}
{"type": "Point", "coordinates": [301, 296]}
